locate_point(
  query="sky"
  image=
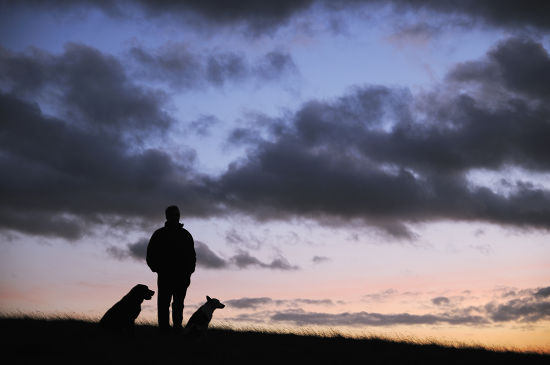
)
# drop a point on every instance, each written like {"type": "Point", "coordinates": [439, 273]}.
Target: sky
{"type": "Point", "coordinates": [368, 167]}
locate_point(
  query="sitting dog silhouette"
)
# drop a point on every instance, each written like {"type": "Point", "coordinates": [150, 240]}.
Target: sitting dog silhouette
{"type": "Point", "coordinates": [123, 314]}
{"type": "Point", "coordinates": [199, 321]}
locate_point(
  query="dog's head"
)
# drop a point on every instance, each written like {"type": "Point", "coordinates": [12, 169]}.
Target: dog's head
{"type": "Point", "coordinates": [215, 303]}
{"type": "Point", "coordinates": [141, 291]}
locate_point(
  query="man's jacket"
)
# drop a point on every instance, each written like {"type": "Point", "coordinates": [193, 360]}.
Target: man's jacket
{"type": "Point", "coordinates": [171, 250]}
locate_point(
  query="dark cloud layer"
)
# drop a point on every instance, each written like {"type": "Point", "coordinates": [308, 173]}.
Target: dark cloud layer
{"type": "Point", "coordinates": [379, 156]}
{"type": "Point", "coordinates": [87, 164]}
{"type": "Point", "coordinates": [518, 65]}
{"type": "Point", "coordinates": [543, 292]}
{"type": "Point", "coordinates": [384, 156]}
{"type": "Point", "coordinates": [507, 13]}
{"type": "Point", "coordinates": [88, 87]}
{"type": "Point", "coordinates": [262, 16]}
{"type": "Point", "coordinates": [257, 15]}
{"type": "Point", "coordinates": [267, 14]}
{"type": "Point", "coordinates": [523, 310]}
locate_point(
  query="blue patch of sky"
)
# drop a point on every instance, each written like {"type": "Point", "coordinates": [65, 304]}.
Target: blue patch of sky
{"type": "Point", "coordinates": [22, 27]}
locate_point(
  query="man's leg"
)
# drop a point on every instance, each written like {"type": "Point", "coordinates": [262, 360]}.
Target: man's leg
{"type": "Point", "coordinates": [177, 305]}
{"type": "Point", "coordinates": [164, 294]}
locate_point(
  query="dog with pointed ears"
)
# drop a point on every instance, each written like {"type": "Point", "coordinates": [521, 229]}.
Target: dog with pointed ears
{"type": "Point", "coordinates": [199, 321]}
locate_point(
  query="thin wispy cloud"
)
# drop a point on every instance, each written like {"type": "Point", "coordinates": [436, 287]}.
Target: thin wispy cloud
{"type": "Point", "coordinates": [184, 70]}
{"type": "Point", "coordinates": [262, 302]}
{"type": "Point", "coordinates": [206, 258]}
{"type": "Point", "coordinates": [244, 260]}
{"type": "Point", "coordinates": [526, 308]}
{"type": "Point", "coordinates": [302, 318]}
{"type": "Point", "coordinates": [320, 259]}
{"type": "Point", "coordinates": [380, 296]}
{"type": "Point", "coordinates": [441, 301]}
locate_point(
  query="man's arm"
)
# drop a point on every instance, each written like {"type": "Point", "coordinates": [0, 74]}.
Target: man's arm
{"type": "Point", "coordinates": [152, 255]}
{"type": "Point", "coordinates": [193, 260]}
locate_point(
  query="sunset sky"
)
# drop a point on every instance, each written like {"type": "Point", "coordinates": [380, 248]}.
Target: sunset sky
{"type": "Point", "coordinates": [372, 167]}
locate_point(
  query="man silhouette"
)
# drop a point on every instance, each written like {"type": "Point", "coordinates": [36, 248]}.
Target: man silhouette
{"type": "Point", "coordinates": [171, 254]}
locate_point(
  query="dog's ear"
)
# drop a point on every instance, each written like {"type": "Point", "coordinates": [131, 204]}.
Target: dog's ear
{"type": "Point", "coordinates": [208, 298]}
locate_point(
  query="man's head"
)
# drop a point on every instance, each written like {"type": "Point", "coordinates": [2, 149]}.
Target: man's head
{"type": "Point", "coordinates": [172, 214]}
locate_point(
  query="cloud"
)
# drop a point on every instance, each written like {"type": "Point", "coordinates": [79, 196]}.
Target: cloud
{"type": "Point", "coordinates": [255, 303]}
{"type": "Point", "coordinates": [484, 249]}
{"type": "Point", "coordinates": [182, 69]}
{"type": "Point", "coordinates": [312, 301]}
{"type": "Point", "coordinates": [528, 308]}
{"type": "Point", "coordinates": [267, 16]}
{"type": "Point", "coordinates": [117, 253]}
{"type": "Point", "coordinates": [506, 14]}
{"type": "Point", "coordinates": [256, 16]}
{"type": "Point", "coordinates": [519, 65]}
{"type": "Point", "coordinates": [275, 64]}
{"type": "Point", "coordinates": [380, 296]}
{"type": "Point", "coordinates": [441, 301]}
{"type": "Point", "coordinates": [136, 251]}
{"type": "Point", "coordinates": [206, 258]}
{"type": "Point", "coordinates": [389, 158]}
{"type": "Point", "coordinates": [376, 156]}
{"type": "Point", "coordinates": [204, 124]}
{"type": "Point", "coordinates": [139, 249]}
{"type": "Point", "coordinates": [249, 240]}
{"type": "Point", "coordinates": [543, 292]}
{"type": "Point", "coordinates": [65, 178]}
{"type": "Point", "coordinates": [244, 260]}
{"type": "Point", "coordinates": [301, 318]}
{"type": "Point", "coordinates": [175, 64]}
{"type": "Point", "coordinates": [320, 259]}
{"type": "Point", "coordinates": [85, 165]}
{"type": "Point", "coordinates": [418, 34]}
{"type": "Point", "coordinates": [88, 86]}
{"type": "Point", "coordinates": [248, 302]}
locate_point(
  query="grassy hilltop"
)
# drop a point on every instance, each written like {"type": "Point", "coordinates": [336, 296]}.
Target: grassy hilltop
{"type": "Point", "coordinates": [70, 341]}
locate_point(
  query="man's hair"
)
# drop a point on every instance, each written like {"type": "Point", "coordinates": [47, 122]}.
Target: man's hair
{"type": "Point", "coordinates": [171, 210]}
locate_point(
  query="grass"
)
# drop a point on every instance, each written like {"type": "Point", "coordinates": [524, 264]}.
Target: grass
{"type": "Point", "coordinates": [32, 340]}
